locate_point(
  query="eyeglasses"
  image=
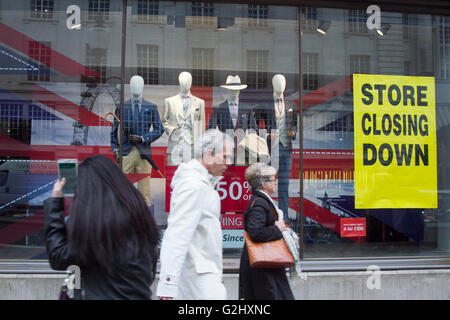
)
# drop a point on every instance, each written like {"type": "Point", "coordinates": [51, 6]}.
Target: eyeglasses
{"type": "Point", "coordinates": [272, 180]}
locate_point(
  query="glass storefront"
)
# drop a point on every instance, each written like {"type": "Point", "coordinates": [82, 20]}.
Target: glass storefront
{"type": "Point", "coordinates": [60, 96]}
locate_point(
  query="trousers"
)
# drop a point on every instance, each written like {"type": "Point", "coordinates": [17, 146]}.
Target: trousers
{"type": "Point", "coordinates": [132, 163]}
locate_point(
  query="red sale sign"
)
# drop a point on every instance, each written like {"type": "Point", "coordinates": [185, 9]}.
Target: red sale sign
{"type": "Point", "coordinates": [233, 189]}
{"type": "Point", "coordinates": [353, 227]}
{"type": "Point", "coordinates": [232, 221]}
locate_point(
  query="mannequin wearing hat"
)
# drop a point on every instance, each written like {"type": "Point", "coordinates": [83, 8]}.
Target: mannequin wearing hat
{"type": "Point", "coordinates": [280, 119]}
{"type": "Point", "coordinates": [231, 116]}
{"type": "Point", "coordinates": [183, 120]}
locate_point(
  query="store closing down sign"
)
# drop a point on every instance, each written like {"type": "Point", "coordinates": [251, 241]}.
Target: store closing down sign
{"type": "Point", "coordinates": [395, 142]}
{"type": "Point", "coordinates": [353, 227]}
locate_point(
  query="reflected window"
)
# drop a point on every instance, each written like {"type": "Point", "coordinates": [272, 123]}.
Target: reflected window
{"type": "Point", "coordinates": [310, 71]}
{"type": "Point", "coordinates": [98, 9]}
{"type": "Point", "coordinates": [444, 42]}
{"type": "Point", "coordinates": [258, 15]}
{"type": "Point", "coordinates": [147, 10]}
{"type": "Point", "coordinates": [42, 9]}
{"type": "Point", "coordinates": [257, 61]}
{"type": "Point", "coordinates": [357, 21]}
{"type": "Point", "coordinates": [310, 21]}
{"type": "Point", "coordinates": [202, 13]}
{"type": "Point", "coordinates": [147, 59]}
{"type": "Point", "coordinates": [203, 66]}
{"type": "Point", "coordinates": [96, 60]}
{"type": "Point", "coordinates": [40, 51]}
{"type": "Point", "coordinates": [359, 64]}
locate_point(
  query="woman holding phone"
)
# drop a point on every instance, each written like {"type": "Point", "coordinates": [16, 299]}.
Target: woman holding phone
{"type": "Point", "coordinates": [110, 233]}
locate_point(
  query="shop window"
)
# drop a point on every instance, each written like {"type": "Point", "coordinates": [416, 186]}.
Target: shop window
{"type": "Point", "coordinates": [203, 67]}
{"type": "Point", "coordinates": [41, 52]}
{"type": "Point", "coordinates": [147, 61]}
{"type": "Point", "coordinates": [42, 9]}
{"type": "Point", "coordinates": [257, 64]}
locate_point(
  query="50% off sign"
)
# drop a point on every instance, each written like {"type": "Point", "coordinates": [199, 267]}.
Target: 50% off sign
{"type": "Point", "coordinates": [234, 190]}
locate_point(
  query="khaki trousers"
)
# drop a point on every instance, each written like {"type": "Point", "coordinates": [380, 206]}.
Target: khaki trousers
{"type": "Point", "coordinates": [132, 163]}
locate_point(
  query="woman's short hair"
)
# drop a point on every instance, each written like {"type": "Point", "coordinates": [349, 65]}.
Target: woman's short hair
{"type": "Point", "coordinates": [212, 139]}
{"type": "Point", "coordinates": [258, 173]}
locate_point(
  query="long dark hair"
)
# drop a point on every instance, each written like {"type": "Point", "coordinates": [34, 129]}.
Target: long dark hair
{"type": "Point", "coordinates": [109, 221]}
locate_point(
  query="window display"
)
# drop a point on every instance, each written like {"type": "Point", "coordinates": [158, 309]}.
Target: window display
{"type": "Point", "coordinates": [191, 66]}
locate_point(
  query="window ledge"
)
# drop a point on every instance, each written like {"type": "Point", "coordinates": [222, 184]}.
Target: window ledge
{"type": "Point", "coordinates": [232, 265]}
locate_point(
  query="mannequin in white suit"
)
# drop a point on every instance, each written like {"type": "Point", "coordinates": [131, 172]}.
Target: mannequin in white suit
{"type": "Point", "coordinates": [183, 120]}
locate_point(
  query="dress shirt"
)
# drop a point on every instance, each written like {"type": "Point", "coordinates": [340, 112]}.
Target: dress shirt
{"type": "Point", "coordinates": [233, 107]}
{"type": "Point", "coordinates": [186, 99]}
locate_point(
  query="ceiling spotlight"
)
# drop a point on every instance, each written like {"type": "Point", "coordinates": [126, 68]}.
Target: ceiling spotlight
{"type": "Point", "coordinates": [323, 27]}
{"type": "Point", "coordinates": [384, 29]}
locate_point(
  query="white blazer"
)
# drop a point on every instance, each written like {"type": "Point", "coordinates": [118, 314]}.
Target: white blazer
{"type": "Point", "coordinates": [191, 123]}
{"type": "Point", "coordinates": [191, 250]}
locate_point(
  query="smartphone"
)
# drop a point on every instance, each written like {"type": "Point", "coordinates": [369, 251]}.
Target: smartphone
{"type": "Point", "coordinates": [68, 168]}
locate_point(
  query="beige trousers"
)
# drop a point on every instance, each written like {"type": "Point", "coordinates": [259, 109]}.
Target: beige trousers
{"type": "Point", "coordinates": [132, 163]}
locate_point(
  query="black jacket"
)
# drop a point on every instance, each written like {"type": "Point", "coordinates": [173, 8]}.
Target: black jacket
{"type": "Point", "coordinates": [130, 281]}
{"type": "Point", "coordinates": [258, 283]}
{"type": "Point", "coordinates": [221, 118]}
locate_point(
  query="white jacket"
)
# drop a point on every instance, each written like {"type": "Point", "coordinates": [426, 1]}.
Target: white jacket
{"type": "Point", "coordinates": [191, 250]}
{"type": "Point", "coordinates": [191, 124]}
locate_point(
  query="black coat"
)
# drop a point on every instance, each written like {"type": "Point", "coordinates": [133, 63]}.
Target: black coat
{"type": "Point", "coordinates": [221, 118]}
{"type": "Point", "coordinates": [258, 283]}
{"type": "Point", "coordinates": [131, 281]}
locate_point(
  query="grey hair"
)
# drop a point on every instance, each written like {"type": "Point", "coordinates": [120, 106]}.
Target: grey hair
{"type": "Point", "coordinates": [213, 140]}
{"type": "Point", "coordinates": [258, 173]}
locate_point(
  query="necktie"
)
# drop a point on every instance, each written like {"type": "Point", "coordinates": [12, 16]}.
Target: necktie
{"type": "Point", "coordinates": [136, 118]}
{"type": "Point", "coordinates": [234, 113]}
{"type": "Point", "coordinates": [279, 104]}
{"type": "Point", "coordinates": [186, 103]}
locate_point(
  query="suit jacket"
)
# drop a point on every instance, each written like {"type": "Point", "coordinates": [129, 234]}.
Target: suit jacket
{"type": "Point", "coordinates": [221, 118]}
{"type": "Point", "coordinates": [175, 118]}
{"type": "Point", "coordinates": [148, 119]}
{"type": "Point", "coordinates": [266, 112]}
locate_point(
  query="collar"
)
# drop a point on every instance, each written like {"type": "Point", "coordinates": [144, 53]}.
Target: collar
{"type": "Point", "coordinates": [139, 100]}
{"type": "Point", "coordinates": [280, 97]}
{"type": "Point", "coordinates": [188, 94]}
{"type": "Point", "coordinates": [231, 101]}
{"type": "Point", "coordinates": [212, 179]}
{"type": "Point", "coordinates": [278, 211]}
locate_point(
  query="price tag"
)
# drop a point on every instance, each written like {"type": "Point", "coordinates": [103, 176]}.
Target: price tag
{"type": "Point", "coordinates": [353, 227]}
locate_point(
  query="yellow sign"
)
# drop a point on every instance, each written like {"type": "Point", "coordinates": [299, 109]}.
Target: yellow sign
{"type": "Point", "coordinates": [395, 142]}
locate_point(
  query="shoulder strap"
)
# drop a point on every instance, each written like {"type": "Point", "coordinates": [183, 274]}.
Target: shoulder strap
{"type": "Point", "coordinates": [271, 209]}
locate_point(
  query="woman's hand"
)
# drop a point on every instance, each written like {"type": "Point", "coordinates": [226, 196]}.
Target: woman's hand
{"type": "Point", "coordinates": [281, 225]}
{"type": "Point", "coordinates": [57, 188]}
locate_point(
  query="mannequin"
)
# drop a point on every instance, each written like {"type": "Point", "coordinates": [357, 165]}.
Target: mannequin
{"type": "Point", "coordinates": [280, 120]}
{"type": "Point", "coordinates": [183, 121]}
{"type": "Point", "coordinates": [142, 126]}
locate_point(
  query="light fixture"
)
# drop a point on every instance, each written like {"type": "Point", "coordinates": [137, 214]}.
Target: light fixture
{"type": "Point", "coordinates": [224, 23]}
{"type": "Point", "coordinates": [384, 29]}
{"type": "Point", "coordinates": [323, 27]}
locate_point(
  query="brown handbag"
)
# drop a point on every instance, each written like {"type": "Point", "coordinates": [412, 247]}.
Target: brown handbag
{"type": "Point", "coordinates": [268, 255]}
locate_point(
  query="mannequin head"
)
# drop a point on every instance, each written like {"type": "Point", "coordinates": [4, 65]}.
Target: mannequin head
{"type": "Point", "coordinates": [185, 80]}
{"type": "Point", "coordinates": [136, 86]}
{"type": "Point", "coordinates": [279, 84]}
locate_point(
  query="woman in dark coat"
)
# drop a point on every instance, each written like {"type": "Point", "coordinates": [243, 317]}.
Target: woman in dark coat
{"type": "Point", "coordinates": [262, 226]}
{"type": "Point", "coordinates": [110, 234]}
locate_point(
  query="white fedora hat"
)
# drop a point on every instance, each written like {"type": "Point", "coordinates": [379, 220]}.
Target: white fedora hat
{"type": "Point", "coordinates": [234, 83]}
